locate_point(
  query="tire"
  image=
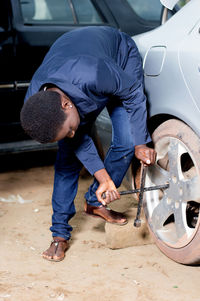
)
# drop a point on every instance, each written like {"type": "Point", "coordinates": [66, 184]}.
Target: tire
{"type": "Point", "coordinates": [173, 214]}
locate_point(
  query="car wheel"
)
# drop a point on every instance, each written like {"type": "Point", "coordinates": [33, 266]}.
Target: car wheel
{"type": "Point", "coordinates": [173, 214]}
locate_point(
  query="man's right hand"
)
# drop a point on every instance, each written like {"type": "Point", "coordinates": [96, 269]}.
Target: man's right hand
{"type": "Point", "coordinates": [107, 186]}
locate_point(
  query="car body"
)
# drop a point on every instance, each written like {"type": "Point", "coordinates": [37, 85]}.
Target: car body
{"type": "Point", "coordinates": [27, 30]}
{"type": "Point", "coordinates": [172, 72]}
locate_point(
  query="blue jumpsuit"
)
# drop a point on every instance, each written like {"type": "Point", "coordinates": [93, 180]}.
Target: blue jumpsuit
{"type": "Point", "coordinates": [96, 67]}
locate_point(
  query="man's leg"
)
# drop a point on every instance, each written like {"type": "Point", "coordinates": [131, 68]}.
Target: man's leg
{"type": "Point", "coordinates": [67, 168]}
{"type": "Point", "coordinates": [120, 153]}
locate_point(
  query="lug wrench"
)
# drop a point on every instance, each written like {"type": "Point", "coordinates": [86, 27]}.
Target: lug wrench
{"type": "Point", "coordinates": [137, 221]}
{"type": "Point", "coordinates": [141, 190]}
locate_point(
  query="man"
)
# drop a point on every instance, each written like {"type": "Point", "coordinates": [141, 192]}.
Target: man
{"type": "Point", "coordinates": [85, 71]}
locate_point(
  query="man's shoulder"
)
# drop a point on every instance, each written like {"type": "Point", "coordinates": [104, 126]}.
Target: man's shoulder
{"type": "Point", "coordinates": [84, 67]}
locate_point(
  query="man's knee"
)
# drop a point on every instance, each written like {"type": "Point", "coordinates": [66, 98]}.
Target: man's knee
{"type": "Point", "coordinates": [127, 147]}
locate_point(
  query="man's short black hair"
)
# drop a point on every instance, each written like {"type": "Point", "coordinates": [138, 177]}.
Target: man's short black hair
{"type": "Point", "coordinates": [42, 116]}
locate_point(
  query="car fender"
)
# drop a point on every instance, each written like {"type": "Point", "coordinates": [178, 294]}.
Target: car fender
{"type": "Point", "coordinates": [166, 87]}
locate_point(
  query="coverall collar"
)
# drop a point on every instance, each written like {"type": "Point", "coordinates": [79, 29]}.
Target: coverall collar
{"type": "Point", "coordinates": [83, 103]}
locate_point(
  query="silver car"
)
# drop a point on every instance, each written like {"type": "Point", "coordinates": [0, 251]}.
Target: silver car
{"type": "Point", "coordinates": [172, 82]}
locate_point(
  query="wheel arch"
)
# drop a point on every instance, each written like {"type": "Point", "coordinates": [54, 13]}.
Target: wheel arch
{"type": "Point", "coordinates": [154, 121]}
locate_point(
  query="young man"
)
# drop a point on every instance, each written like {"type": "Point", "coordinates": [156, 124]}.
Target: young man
{"type": "Point", "coordinates": [85, 71]}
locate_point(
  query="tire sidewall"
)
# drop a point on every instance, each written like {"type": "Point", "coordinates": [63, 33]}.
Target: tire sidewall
{"type": "Point", "coordinates": [190, 253]}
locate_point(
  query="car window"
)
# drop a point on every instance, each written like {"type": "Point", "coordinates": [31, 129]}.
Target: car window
{"type": "Point", "coordinates": [59, 11]}
{"type": "Point", "coordinates": [86, 12]}
{"type": "Point", "coordinates": [147, 9]}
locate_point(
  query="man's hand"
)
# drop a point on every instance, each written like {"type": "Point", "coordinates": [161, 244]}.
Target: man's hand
{"type": "Point", "coordinates": [145, 154]}
{"type": "Point", "coordinates": [106, 185]}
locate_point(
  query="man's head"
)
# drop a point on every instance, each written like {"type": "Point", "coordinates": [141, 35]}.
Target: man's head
{"type": "Point", "coordinates": [49, 116]}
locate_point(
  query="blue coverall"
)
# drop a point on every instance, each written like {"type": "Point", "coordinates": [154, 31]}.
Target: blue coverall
{"type": "Point", "coordinates": [96, 67]}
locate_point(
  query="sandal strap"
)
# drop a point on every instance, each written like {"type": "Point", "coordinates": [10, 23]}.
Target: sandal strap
{"type": "Point", "coordinates": [56, 242]}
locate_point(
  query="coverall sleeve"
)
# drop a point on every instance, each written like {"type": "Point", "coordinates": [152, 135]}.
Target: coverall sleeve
{"type": "Point", "coordinates": [87, 153]}
{"type": "Point", "coordinates": [114, 81]}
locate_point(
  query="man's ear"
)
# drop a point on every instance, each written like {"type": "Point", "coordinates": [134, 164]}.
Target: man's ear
{"type": "Point", "coordinates": [65, 103]}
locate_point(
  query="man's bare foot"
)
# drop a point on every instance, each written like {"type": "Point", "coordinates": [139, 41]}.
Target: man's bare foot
{"type": "Point", "coordinates": [57, 249]}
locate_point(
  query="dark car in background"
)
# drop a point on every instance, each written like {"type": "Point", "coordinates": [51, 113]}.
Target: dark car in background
{"type": "Point", "coordinates": [27, 30]}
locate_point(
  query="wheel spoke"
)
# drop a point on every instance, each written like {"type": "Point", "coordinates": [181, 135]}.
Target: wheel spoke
{"type": "Point", "coordinates": [158, 175]}
{"type": "Point", "coordinates": [175, 151]}
{"type": "Point", "coordinates": [181, 223]}
{"type": "Point", "coordinates": [160, 214]}
{"type": "Point", "coordinates": [190, 190]}
{"type": "Point", "coordinates": [183, 188]}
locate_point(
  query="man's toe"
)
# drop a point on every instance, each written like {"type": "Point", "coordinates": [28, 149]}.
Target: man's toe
{"type": "Point", "coordinates": [47, 255]}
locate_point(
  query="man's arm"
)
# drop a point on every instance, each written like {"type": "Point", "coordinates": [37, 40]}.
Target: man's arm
{"type": "Point", "coordinates": [112, 80]}
{"type": "Point", "coordinates": [106, 185]}
{"type": "Point", "coordinates": [87, 153]}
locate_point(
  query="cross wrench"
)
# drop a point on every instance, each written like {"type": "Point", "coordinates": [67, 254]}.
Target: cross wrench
{"type": "Point", "coordinates": [137, 221]}
{"type": "Point", "coordinates": [141, 190]}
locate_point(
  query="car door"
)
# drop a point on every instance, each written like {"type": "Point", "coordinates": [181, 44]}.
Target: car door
{"type": "Point", "coordinates": [27, 29]}
{"type": "Point", "coordinates": [9, 113]}
{"type": "Point", "coordinates": [40, 22]}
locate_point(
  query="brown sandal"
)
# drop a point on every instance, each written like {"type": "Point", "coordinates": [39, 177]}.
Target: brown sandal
{"type": "Point", "coordinates": [105, 213]}
{"type": "Point", "coordinates": [56, 242]}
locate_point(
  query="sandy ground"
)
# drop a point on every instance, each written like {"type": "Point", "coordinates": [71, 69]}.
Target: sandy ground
{"type": "Point", "coordinates": [90, 271]}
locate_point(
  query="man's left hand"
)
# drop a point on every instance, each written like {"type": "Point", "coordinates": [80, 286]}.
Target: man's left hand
{"type": "Point", "coordinates": [145, 154]}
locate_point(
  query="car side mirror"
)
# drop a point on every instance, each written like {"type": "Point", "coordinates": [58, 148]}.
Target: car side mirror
{"type": "Point", "coordinates": [166, 13]}
{"type": "Point", "coordinates": [170, 4]}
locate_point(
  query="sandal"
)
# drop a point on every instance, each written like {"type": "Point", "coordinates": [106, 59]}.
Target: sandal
{"type": "Point", "coordinates": [57, 242]}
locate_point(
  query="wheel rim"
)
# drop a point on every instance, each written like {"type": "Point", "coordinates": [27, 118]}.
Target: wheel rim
{"type": "Point", "coordinates": [169, 211]}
